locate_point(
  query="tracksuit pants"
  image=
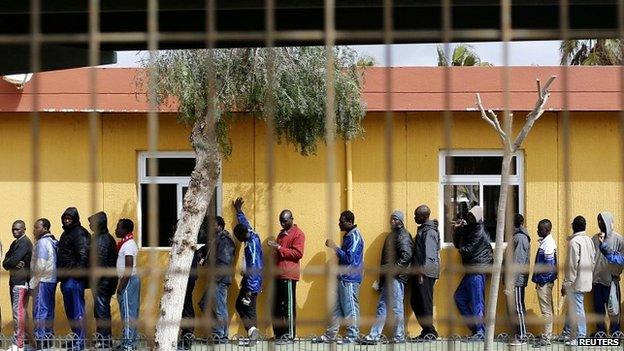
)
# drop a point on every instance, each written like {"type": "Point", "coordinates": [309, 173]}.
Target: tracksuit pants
{"type": "Point", "coordinates": [19, 302]}
{"type": "Point", "coordinates": [422, 304]}
{"type": "Point", "coordinates": [470, 300]}
{"type": "Point", "coordinates": [347, 308]}
{"type": "Point", "coordinates": [43, 314]}
{"type": "Point", "coordinates": [600, 294]}
{"type": "Point", "coordinates": [129, 302]}
{"type": "Point", "coordinates": [74, 301]}
{"type": "Point", "coordinates": [247, 312]}
{"type": "Point", "coordinates": [285, 309]}
{"type": "Point", "coordinates": [517, 310]}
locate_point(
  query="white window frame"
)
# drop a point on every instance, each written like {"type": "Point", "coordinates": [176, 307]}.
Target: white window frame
{"type": "Point", "coordinates": [481, 180]}
{"type": "Point", "coordinates": [181, 182]}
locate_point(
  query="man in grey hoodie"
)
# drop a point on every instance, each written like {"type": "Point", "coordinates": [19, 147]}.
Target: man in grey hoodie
{"type": "Point", "coordinates": [605, 273]}
{"type": "Point", "coordinates": [521, 246]}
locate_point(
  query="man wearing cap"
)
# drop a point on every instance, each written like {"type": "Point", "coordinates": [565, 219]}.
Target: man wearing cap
{"type": "Point", "coordinates": [473, 243]}
{"type": "Point", "coordinates": [396, 257]}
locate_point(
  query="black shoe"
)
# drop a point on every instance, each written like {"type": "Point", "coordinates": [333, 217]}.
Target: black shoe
{"type": "Point", "coordinates": [284, 342]}
{"type": "Point", "coordinates": [323, 339]}
{"type": "Point", "coordinates": [367, 341]}
{"type": "Point", "coordinates": [474, 338]}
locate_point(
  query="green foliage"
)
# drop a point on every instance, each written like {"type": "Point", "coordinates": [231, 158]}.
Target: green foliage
{"type": "Point", "coordinates": [462, 55]}
{"type": "Point", "coordinates": [241, 84]}
{"type": "Point", "coordinates": [592, 52]}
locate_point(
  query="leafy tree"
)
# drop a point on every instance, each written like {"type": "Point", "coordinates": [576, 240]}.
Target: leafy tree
{"type": "Point", "coordinates": [208, 86]}
{"type": "Point", "coordinates": [463, 55]}
{"type": "Point", "coordinates": [592, 52]}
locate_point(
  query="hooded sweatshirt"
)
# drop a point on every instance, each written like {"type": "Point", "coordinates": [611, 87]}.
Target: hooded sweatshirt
{"type": "Point", "coordinates": [73, 248]}
{"type": "Point", "coordinates": [521, 255]}
{"type": "Point", "coordinates": [43, 261]}
{"type": "Point", "coordinates": [605, 272]}
{"type": "Point", "coordinates": [579, 263]}
{"type": "Point", "coordinates": [106, 252]}
{"type": "Point", "coordinates": [427, 249]}
{"type": "Point", "coordinates": [473, 242]}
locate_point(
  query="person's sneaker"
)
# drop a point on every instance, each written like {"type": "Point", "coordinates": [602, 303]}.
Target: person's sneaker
{"type": "Point", "coordinates": [397, 341]}
{"type": "Point", "coordinates": [345, 341]}
{"type": "Point", "coordinates": [254, 335]}
{"type": "Point", "coordinates": [561, 338]}
{"type": "Point", "coordinates": [571, 342]}
{"type": "Point", "coordinates": [284, 342]}
{"type": "Point", "coordinates": [516, 342]}
{"type": "Point", "coordinates": [323, 339]}
{"type": "Point", "coordinates": [474, 338]}
{"type": "Point", "coordinates": [367, 340]}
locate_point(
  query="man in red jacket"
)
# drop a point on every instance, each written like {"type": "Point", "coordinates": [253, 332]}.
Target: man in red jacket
{"type": "Point", "coordinates": [288, 250]}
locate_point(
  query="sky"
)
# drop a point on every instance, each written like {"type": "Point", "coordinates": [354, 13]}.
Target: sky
{"type": "Point", "coordinates": [527, 53]}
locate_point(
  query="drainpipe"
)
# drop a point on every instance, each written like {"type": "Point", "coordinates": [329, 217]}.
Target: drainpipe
{"type": "Point", "coordinates": [349, 171]}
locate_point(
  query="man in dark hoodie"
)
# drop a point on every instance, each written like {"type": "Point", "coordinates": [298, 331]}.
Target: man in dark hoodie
{"type": "Point", "coordinates": [72, 263]}
{"type": "Point", "coordinates": [426, 260]}
{"type": "Point", "coordinates": [220, 254]}
{"type": "Point", "coordinates": [396, 257]}
{"type": "Point", "coordinates": [105, 287]}
{"type": "Point", "coordinates": [521, 253]}
{"type": "Point", "coordinates": [17, 262]}
{"type": "Point", "coordinates": [473, 243]}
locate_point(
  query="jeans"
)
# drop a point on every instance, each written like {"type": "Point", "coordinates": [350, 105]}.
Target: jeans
{"type": "Point", "coordinates": [19, 301]}
{"type": "Point", "coordinates": [392, 291]}
{"type": "Point", "coordinates": [74, 301]}
{"type": "Point", "coordinates": [129, 303]}
{"type": "Point", "coordinates": [575, 316]}
{"type": "Point", "coordinates": [102, 314]}
{"type": "Point", "coordinates": [470, 300]}
{"type": "Point", "coordinates": [348, 307]}
{"type": "Point", "coordinates": [43, 314]}
{"type": "Point", "coordinates": [219, 309]}
{"type": "Point", "coordinates": [600, 293]}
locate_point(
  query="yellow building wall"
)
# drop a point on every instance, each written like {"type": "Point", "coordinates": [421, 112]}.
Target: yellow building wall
{"type": "Point", "coordinates": [301, 186]}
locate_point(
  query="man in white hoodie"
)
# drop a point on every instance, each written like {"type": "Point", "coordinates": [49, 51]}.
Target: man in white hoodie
{"type": "Point", "coordinates": [606, 274]}
{"type": "Point", "coordinates": [578, 279]}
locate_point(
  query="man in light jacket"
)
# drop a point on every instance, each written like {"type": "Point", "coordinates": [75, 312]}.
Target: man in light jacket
{"type": "Point", "coordinates": [578, 280]}
{"type": "Point", "coordinates": [605, 273]}
{"type": "Point", "coordinates": [426, 260]}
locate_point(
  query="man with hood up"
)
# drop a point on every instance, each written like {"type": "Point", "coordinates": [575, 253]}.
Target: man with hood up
{"type": "Point", "coordinates": [521, 253]}
{"type": "Point", "coordinates": [605, 273]}
{"type": "Point", "coordinates": [72, 263]}
{"type": "Point", "coordinates": [396, 254]}
{"type": "Point", "coordinates": [105, 287]}
{"type": "Point", "coordinates": [473, 243]}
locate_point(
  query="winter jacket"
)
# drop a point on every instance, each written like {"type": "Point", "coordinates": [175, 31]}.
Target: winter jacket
{"type": "Point", "coordinates": [106, 252]}
{"type": "Point", "coordinates": [224, 257]}
{"type": "Point", "coordinates": [521, 255]}
{"type": "Point", "coordinates": [579, 263]}
{"type": "Point", "coordinates": [43, 261]}
{"type": "Point", "coordinates": [545, 261]}
{"type": "Point", "coordinates": [427, 249]}
{"type": "Point", "coordinates": [351, 256]}
{"type": "Point", "coordinates": [20, 250]}
{"type": "Point", "coordinates": [616, 258]}
{"type": "Point", "coordinates": [473, 243]}
{"type": "Point", "coordinates": [252, 278]}
{"type": "Point", "coordinates": [73, 249]}
{"type": "Point", "coordinates": [396, 254]}
{"type": "Point", "coordinates": [291, 244]}
{"type": "Point", "coordinates": [605, 272]}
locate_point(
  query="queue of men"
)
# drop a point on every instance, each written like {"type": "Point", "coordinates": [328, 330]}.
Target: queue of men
{"type": "Point", "coordinates": [592, 265]}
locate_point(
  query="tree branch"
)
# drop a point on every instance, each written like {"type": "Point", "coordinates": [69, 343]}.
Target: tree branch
{"type": "Point", "coordinates": [491, 119]}
{"type": "Point", "coordinates": [543, 95]}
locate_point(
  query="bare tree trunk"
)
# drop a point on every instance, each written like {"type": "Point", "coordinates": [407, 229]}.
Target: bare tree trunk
{"type": "Point", "coordinates": [196, 200]}
{"type": "Point", "coordinates": [498, 252]}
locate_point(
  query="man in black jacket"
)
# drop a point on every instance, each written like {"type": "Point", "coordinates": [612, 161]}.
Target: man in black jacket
{"type": "Point", "coordinates": [427, 263]}
{"type": "Point", "coordinates": [106, 285]}
{"type": "Point", "coordinates": [473, 243]}
{"type": "Point", "coordinates": [220, 255]}
{"type": "Point", "coordinates": [72, 264]}
{"type": "Point", "coordinates": [396, 257]}
{"type": "Point", "coordinates": [17, 262]}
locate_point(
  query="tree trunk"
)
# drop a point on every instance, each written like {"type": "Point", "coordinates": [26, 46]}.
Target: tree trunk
{"type": "Point", "coordinates": [490, 317]}
{"type": "Point", "coordinates": [200, 190]}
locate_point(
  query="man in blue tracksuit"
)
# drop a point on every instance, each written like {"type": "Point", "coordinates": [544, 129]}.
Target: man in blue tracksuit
{"type": "Point", "coordinates": [473, 243]}
{"type": "Point", "coordinates": [351, 261]}
{"type": "Point", "coordinates": [43, 283]}
{"type": "Point", "coordinates": [251, 285]}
